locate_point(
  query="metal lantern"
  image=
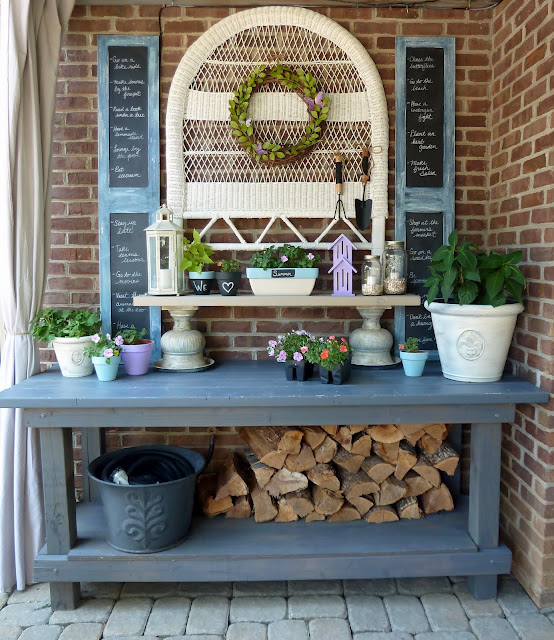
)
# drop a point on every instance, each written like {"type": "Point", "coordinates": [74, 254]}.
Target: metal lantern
{"type": "Point", "coordinates": [164, 249]}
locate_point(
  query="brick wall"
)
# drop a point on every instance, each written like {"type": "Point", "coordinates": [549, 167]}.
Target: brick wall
{"type": "Point", "coordinates": [521, 215]}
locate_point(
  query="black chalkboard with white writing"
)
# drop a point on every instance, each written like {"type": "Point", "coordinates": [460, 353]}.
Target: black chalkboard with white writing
{"type": "Point", "coordinates": [424, 234]}
{"type": "Point", "coordinates": [128, 116]}
{"type": "Point", "coordinates": [128, 270]}
{"type": "Point", "coordinates": [424, 116]}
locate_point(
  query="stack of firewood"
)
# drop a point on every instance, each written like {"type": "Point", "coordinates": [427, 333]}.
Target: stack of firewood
{"type": "Point", "coordinates": [337, 473]}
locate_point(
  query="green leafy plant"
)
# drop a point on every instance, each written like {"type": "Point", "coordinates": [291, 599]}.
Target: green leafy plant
{"type": "Point", "coordinates": [104, 346]}
{"type": "Point", "coordinates": [464, 276]}
{"type": "Point", "coordinates": [131, 335]}
{"type": "Point", "coordinates": [328, 353]}
{"type": "Point", "coordinates": [196, 254]}
{"type": "Point", "coordinates": [229, 266]}
{"type": "Point", "coordinates": [64, 323]}
{"type": "Point", "coordinates": [287, 256]}
{"type": "Point", "coordinates": [411, 345]}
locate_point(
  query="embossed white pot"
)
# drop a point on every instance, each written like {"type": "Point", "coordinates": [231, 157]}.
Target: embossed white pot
{"type": "Point", "coordinates": [69, 352]}
{"type": "Point", "coordinates": [473, 339]}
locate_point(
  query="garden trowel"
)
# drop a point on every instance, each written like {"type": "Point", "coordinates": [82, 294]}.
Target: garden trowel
{"type": "Point", "coordinates": [363, 206]}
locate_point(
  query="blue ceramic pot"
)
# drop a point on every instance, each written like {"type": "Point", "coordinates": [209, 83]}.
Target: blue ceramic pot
{"type": "Point", "coordinates": [414, 363]}
{"type": "Point", "coordinates": [104, 371]}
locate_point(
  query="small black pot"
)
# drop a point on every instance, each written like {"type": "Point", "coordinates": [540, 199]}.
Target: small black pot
{"type": "Point", "coordinates": [202, 284]}
{"type": "Point", "coordinates": [228, 283]}
{"type": "Point", "coordinates": [299, 371]}
{"type": "Point", "coordinates": [339, 375]}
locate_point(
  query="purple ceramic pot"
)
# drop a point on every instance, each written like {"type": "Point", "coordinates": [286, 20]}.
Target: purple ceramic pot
{"type": "Point", "coordinates": [136, 357]}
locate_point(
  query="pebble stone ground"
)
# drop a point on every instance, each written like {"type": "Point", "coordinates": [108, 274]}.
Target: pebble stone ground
{"type": "Point", "coordinates": [403, 609]}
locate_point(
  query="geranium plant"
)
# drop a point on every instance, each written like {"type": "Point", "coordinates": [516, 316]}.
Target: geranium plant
{"type": "Point", "coordinates": [329, 352]}
{"type": "Point", "coordinates": [291, 346]}
{"type": "Point", "coordinates": [104, 346]}
{"type": "Point", "coordinates": [64, 323]}
{"type": "Point", "coordinates": [229, 266]}
{"type": "Point", "coordinates": [131, 335]}
{"type": "Point", "coordinates": [286, 255]}
{"type": "Point", "coordinates": [411, 345]}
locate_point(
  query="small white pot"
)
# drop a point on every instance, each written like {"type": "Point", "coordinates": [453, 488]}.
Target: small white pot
{"type": "Point", "coordinates": [282, 282]}
{"type": "Point", "coordinates": [473, 339]}
{"type": "Point", "coordinates": [69, 352]}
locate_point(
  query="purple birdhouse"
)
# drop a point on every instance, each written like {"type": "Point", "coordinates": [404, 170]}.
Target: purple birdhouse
{"type": "Point", "coordinates": [342, 278]}
{"type": "Point", "coordinates": [342, 249]}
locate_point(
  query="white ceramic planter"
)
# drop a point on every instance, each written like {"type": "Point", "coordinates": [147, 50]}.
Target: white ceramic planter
{"type": "Point", "coordinates": [282, 282]}
{"type": "Point", "coordinates": [69, 352]}
{"type": "Point", "coordinates": [473, 340]}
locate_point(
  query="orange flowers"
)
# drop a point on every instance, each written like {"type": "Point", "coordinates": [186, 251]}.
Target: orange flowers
{"type": "Point", "coordinates": [324, 354]}
{"type": "Point", "coordinates": [343, 348]}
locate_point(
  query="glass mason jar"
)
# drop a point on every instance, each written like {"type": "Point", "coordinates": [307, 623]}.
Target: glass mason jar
{"type": "Point", "coordinates": [372, 282]}
{"type": "Point", "coordinates": [395, 262]}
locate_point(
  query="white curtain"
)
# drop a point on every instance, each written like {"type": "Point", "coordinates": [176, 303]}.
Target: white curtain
{"type": "Point", "coordinates": [30, 38]}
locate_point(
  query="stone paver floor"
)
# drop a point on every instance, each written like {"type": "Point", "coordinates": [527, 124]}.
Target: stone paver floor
{"type": "Point", "coordinates": [404, 609]}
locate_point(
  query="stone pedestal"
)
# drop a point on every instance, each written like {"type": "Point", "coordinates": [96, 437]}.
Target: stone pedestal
{"type": "Point", "coordinates": [182, 346]}
{"type": "Point", "coordinates": [371, 344]}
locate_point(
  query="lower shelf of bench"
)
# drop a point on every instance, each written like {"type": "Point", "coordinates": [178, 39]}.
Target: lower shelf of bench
{"type": "Point", "coordinates": [236, 550]}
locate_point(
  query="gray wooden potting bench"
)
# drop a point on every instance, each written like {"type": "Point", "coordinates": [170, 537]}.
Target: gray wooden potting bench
{"type": "Point", "coordinates": [462, 542]}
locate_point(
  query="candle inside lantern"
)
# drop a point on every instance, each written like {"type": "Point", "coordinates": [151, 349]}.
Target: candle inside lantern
{"type": "Point", "coordinates": [165, 279]}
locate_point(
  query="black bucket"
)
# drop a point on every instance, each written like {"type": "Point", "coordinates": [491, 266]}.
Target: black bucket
{"type": "Point", "coordinates": [145, 518]}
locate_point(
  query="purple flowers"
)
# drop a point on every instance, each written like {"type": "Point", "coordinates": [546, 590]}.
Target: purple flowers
{"type": "Point", "coordinates": [108, 353]}
{"type": "Point", "coordinates": [310, 102]}
{"type": "Point", "coordinates": [284, 259]}
{"type": "Point", "coordinates": [319, 99]}
{"type": "Point", "coordinates": [95, 338]}
{"type": "Point", "coordinates": [282, 357]}
{"type": "Point", "coordinates": [272, 343]}
{"type": "Point", "coordinates": [297, 356]}
{"type": "Point", "coordinates": [310, 256]}
{"type": "Point", "coordinates": [118, 340]}
{"type": "Point", "coordinates": [260, 150]}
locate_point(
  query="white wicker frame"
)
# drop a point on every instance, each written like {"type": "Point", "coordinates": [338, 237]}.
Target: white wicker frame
{"type": "Point", "coordinates": [279, 198]}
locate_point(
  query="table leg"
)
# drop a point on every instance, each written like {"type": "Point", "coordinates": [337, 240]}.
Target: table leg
{"type": "Point", "coordinates": [182, 346]}
{"type": "Point", "coordinates": [91, 448]}
{"type": "Point", "coordinates": [371, 343]}
{"type": "Point", "coordinates": [484, 499]}
{"type": "Point", "coordinates": [59, 507]}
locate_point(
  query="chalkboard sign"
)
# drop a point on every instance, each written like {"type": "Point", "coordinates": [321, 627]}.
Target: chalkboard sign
{"type": "Point", "coordinates": [424, 116]}
{"type": "Point", "coordinates": [424, 235]}
{"type": "Point", "coordinates": [128, 269]}
{"type": "Point", "coordinates": [128, 116]}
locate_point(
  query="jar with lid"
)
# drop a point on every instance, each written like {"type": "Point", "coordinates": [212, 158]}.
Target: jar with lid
{"type": "Point", "coordinates": [372, 282]}
{"type": "Point", "coordinates": [395, 262]}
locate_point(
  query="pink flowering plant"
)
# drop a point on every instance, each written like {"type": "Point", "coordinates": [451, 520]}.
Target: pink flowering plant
{"type": "Point", "coordinates": [291, 346]}
{"type": "Point", "coordinates": [104, 346]}
{"type": "Point", "coordinates": [329, 352]}
{"type": "Point", "coordinates": [287, 256]}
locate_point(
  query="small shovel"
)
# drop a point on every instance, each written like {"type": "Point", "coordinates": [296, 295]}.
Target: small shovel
{"type": "Point", "coordinates": [363, 206]}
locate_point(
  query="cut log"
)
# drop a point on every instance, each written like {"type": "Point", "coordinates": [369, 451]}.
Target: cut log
{"type": "Point", "coordinates": [377, 468]}
{"type": "Point", "coordinates": [326, 450]}
{"type": "Point", "coordinates": [301, 502]}
{"type": "Point", "coordinates": [232, 478]}
{"type": "Point", "coordinates": [437, 499]}
{"type": "Point", "coordinates": [387, 451]}
{"type": "Point", "coordinates": [428, 443]}
{"type": "Point", "coordinates": [362, 504]}
{"type": "Point", "coordinates": [264, 509]}
{"type": "Point", "coordinates": [291, 440]}
{"type": "Point", "coordinates": [386, 433]}
{"type": "Point", "coordinates": [345, 514]}
{"type": "Point", "coordinates": [344, 437]}
{"type": "Point", "coordinates": [361, 444]}
{"type": "Point", "coordinates": [438, 430]}
{"type": "Point", "coordinates": [326, 502]}
{"type": "Point", "coordinates": [302, 461]}
{"type": "Point", "coordinates": [354, 485]}
{"type": "Point", "coordinates": [412, 432]}
{"type": "Point", "coordinates": [407, 457]}
{"type": "Point", "coordinates": [408, 508]}
{"type": "Point", "coordinates": [241, 508]}
{"type": "Point", "coordinates": [445, 458]}
{"type": "Point", "coordinates": [416, 484]}
{"type": "Point", "coordinates": [286, 512]}
{"type": "Point", "coordinates": [211, 507]}
{"type": "Point", "coordinates": [381, 514]}
{"type": "Point", "coordinates": [285, 481]}
{"type": "Point", "coordinates": [357, 428]}
{"type": "Point", "coordinates": [262, 471]}
{"type": "Point", "coordinates": [314, 517]}
{"type": "Point", "coordinates": [323, 475]}
{"type": "Point", "coordinates": [313, 436]}
{"type": "Point", "coordinates": [331, 429]}
{"type": "Point", "coordinates": [348, 461]}
{"type": "Point", "coordinates": [391, 491]}
{"type": "Point", "coordinates": [424, 468]}
{"type": "Point", "coordinates": [264, 442]}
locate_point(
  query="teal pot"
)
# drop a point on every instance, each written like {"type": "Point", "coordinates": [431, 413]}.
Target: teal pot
{"type": "Point", "coordinates": [136, 357]}
{"type": "Point", "coordinates": [340, 374]}
{"type": "Point", "coordinates": [104, 371]}
{"type": "Point", "coordinates": [228, 283]}
{"type": "Point", "coordinates": [201, 283]}
{"type": "Point", "coordinates": [414, 363]}
{"type": "Point", "coordinates": [282, 281]}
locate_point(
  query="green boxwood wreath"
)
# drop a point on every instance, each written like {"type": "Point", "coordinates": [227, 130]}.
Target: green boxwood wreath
{"type": "Point", "coordinates": [305, 85]}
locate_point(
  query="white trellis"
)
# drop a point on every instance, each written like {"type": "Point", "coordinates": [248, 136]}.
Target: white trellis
{"type": "Point", "coordinates": [210, 178]}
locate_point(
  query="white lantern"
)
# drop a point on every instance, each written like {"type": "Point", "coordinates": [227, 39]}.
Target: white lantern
{"type": "Point", "coordinates": [164, 249]}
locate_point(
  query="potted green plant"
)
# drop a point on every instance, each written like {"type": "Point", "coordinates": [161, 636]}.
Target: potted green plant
{"type": "Point", "coordinates": [137, 351]}
{"type": "Point", "coordinates": [196, 255]}
{"type": "Point", "coordinates": [291, 348]}
{"type": "Point", "coordinates": [228, 277]}
{"type": "Point", "coordinates": [413, 359]}
{"type": "Point", "coordinates": [481, 299]}
{"type": "Point", "coordinates": [284, 270]}
{"type": "Point", "coordinates": [333, 357]}
{"type": "Point", "coordinates": [105, 354]}
{"type": "Point", "coordinates": [69, 331]}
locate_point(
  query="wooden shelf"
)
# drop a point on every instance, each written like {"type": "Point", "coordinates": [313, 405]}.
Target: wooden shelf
{"type": "Point", "coordinates": [316, 300]}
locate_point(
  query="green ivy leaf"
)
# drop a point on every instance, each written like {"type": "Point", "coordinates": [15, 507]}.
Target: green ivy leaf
{"type": "Point", "coordinates": [467, 293]}
{"type": "Point", "coordinates": [494, 284]}
{"type": "Point", "coordinates": [453, 238]}
{"type": "Point", "coordinates": [433, 291]}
